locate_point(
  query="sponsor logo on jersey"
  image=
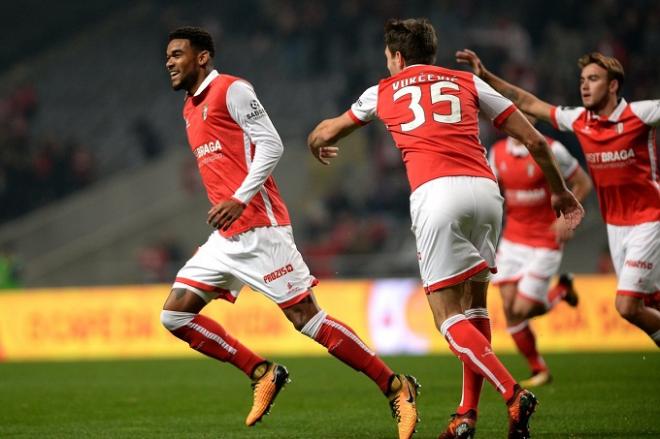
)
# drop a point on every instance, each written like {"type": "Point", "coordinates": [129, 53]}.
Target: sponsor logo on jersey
{"type": "Point", "coordinates": [207, 148]}
{"type": "Point", "coordinates": [644, 265]}
{"type": "Point", "coordinates": [288, 268]}
{"type": "Point", "coordinates": [420, 79]}
{"type": "Point", "coordinates": [525, 196]}
{"type": "Point", "coordinates": [258, 112]}
{"type": "Point", "coordinates": [622, 155]}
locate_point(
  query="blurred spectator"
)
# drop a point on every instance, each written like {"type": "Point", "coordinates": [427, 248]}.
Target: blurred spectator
{"type": "Point", "coordinates": [150, 142]}
{"type": "Point", "coordinates": [160, 260]}
{"type": "Point", "coordinates": [9, 269]}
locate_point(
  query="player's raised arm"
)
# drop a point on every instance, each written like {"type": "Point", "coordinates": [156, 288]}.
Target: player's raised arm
{"type": "Point", "coordinates": [563, 200]}
{"type": "Point", "coordinates": [322, 139]}
{"type": "Point", "coordinates": [524, 100]}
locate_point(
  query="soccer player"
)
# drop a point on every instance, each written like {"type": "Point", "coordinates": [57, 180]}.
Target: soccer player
{"type": "Point", "coordinates": [530, 251]}
{"type": "Point", "coordinates": [456, 207]}
{"type": "Point", "coordinates": [618, 140]}
{"type": "Point", "coordinates": [237, 147]}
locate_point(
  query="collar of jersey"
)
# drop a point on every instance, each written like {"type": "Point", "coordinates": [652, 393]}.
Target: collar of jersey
{"type": "Point", "coordinates": [414, 65]}
{"type": "Point", "coordinates": [210, 77]}
{"type": "Point", "coordinates": [616, 114]}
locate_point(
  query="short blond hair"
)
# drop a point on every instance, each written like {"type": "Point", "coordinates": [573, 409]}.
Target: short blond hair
{"type": "Point", "coordinates": [609, 63]}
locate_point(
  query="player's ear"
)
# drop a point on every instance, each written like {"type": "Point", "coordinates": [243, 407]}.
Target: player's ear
{"type": "Point", "coordinates": [613, 86]}
{"type": "Point", "coordinates": [400, 61]}
{"type": "Point", "coordinates": [203, 57]}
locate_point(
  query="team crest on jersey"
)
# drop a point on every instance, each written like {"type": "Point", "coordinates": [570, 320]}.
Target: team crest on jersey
{"type": "Point", "coordinates": [619, 128]}
{"type": "Point", "coordinates": [530, 170]}
{"type": "Point", "coordinates": [205, 111]}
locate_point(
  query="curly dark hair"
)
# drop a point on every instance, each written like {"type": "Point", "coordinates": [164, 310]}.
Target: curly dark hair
{"type": "Point", "coordinates": [199, 38]}
{"type": "Point", "coordinates": [415, 38]}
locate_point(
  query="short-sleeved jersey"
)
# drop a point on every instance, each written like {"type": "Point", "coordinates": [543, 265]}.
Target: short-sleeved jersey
{"type": "Point", "coordinates": [432, 114]}
{"type": "Point", "coordinates": [621, 156]}
{"type": "Point", "coordinates": [529, 215]}
{"type": "Point", "coordinates": [224, 122]}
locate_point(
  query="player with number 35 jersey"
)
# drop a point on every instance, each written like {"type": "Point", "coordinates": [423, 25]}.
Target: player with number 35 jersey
{"type": "Point", "coordinates": [456, 207]}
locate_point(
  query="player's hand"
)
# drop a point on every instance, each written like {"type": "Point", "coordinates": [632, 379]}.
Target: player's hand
{"type": "Point", "coordinates": [222, 215]}
{"type": "Point", "coordinates": [565, 203]}
{"type": "Point", "coordinates": [562, 232]}
{"type": "Point", "coordinates": [466, 56]}
{"type": "Point", "coordinates": [324, 153]}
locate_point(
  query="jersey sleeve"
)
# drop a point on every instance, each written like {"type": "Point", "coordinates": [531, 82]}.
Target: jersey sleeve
{"type": "Point", "coordinates": [495, 106]}
{"type": "Point", "coordinates": [245, 108]}
{"type": "Point", "coordinates": [567, 163]}
{"type": "Point", "coordinates": [563, 117]}
{"type": "Point", "coordinates": [363, 110]}
{"type": "Point", "coordinates": [647, 111]}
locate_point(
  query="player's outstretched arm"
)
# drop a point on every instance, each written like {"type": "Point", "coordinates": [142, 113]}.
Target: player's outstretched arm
{"type": "Point", "coordinates": [323, 138]}
{"type": "Point", "coordinates": [563, 200]}
{"type": "Point", "coordinates": [524, 100]}
{"type": "Point", "coordinates": [580, 184]}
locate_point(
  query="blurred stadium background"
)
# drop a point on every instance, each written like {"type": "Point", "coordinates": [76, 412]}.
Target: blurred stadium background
{"type": "Point", "coordinates": [98, 188]}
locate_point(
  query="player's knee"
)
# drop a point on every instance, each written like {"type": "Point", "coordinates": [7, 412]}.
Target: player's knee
{"type": "Point", "coordinates": [312, 324]}
{"type": "Point", "coordinates": [173, 320]}
{"type": "Point", "coordinates": [628, 307]}
{"type": "Point", "coordinates": [520, 310]}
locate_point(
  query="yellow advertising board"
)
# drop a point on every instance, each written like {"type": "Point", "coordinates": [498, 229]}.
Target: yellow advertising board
{"type": "Point", "coordinates": [391, 315]}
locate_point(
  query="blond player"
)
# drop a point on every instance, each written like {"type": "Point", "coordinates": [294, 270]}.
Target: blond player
{"type": "Point", "coordinates": [237, 147]}
{"type": "Point", "coordinates": [530, 250]}
{"type": "Point", "coordinates": [618, 140]}
{"type": "Point", "coordinates": [456, 208]}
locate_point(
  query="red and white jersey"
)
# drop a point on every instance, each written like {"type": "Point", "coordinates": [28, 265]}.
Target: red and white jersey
{"type": "Point", "coordinates": [237, 148]}
{"type": "Point", "coordinates": [432, 114]}
{"type": "Point", "coordinates": [529, 214]}
{"type": "Point", "coordinates": [622, 158]}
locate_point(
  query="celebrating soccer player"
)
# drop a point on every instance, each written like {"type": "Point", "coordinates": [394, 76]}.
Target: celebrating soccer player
{"type": "Point", "coordinates": [618, 140]}
{"type": "Point", "coordinates": [456, 207]}
{"type": "Point", "coordinates": [530, 251]}
{"type": "Point", "coordinates": [237, 147]}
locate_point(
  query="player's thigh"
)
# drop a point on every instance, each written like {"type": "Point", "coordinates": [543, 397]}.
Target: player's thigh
{"type": "Point", "coordinates": [208, 273]}
{"type": "Point", "coordinates": [443, 213]}
{"type": "Point", "coordinates": [486, 230]}
{"type": "Point", "coordinates": [640, 271]}
{"type": "Point", "coordinates": [535, 281]}
{"type": "Point", "coordinates": [616, 240]}
{"type": "Point", "coordinates": [511, 261]}
{"type": "Point", "coordinates": [275, 267]}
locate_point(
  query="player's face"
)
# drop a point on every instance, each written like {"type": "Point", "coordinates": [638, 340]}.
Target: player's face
{"type": "Point", "coordinates": [181, 64]}
{"type": "Point", "coordinates": [393, 61]}
{"type": "Point", "coordinates": [594, 87]}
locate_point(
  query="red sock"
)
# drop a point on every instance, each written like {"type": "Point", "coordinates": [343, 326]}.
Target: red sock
{"type": "Point", "coordinates": [211, 339]}
{"type": "Point", "coordinates": [342, 343]}
{"type": "Point", "coordinates": [556, 294]}
{"type": "Point", "coordinates": [526, 342]}
{"type": "Point", "coordinates": [473, 382]}
{"type": "Point", "coordinates": [472, 348]}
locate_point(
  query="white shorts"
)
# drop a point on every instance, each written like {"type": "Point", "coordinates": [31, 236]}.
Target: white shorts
{"type": "Point", "coordinates": [530, 267]}
{"type": "Point", "coordinates": [456, 222]}
{"type": "Point", "coordinates": [636, 257]}
{"type": "Point", "coordinates": [265, 258]}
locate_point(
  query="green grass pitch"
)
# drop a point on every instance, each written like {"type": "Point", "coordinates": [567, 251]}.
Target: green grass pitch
{"type": "Point", "coordinates": [614, 395]}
